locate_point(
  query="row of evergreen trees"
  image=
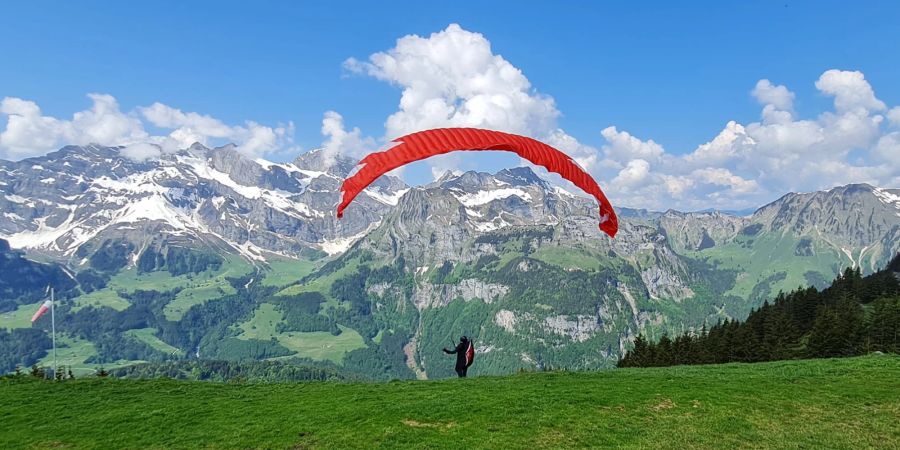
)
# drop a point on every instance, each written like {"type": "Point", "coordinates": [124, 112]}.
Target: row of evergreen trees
{"type": "Point", "coordinates": [856, 315]}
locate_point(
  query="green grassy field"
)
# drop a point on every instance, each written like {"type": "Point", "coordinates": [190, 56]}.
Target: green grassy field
{"type": "Point", "coordinates": [568, 259]}
{"type": "Point", "coordinates": [19, 317]}
{"type": "Point", "coordinates": [71, 352]}
{"type": "Point", "coordinates": [148, 336]}
{"type": "Point", "coordinates": [195, 289]}
{"type": "Point", "coordinates": [845, 403]}
{"type": "Point", "coordinates": [322, 284]}
{"type": "Point", "coordinates": [212, 289]}
{"type": "Point", "coordinates": [101, 298]}
{"type": "Point", "coordinates": [318, 345]}
{"type": "Point", "coordinates": [282, 272]}
{"type": "Point", "coordinates": [769, 255]}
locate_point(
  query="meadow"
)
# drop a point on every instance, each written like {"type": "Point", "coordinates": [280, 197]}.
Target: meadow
{"type": "Point", "coordinates": [826, 403]}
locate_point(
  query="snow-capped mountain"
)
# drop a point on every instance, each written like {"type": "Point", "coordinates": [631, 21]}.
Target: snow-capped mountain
{"type": "Point", "coordinates": [65, 204]}
{"type": "Point", "coordinates": [507, 255]}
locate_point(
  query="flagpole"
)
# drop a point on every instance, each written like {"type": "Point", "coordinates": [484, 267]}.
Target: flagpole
{"type": "Point", "coordinates": [53, 328]}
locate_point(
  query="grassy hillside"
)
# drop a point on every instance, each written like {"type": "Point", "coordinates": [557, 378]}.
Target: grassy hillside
{"type": "Point", "coordinates": [775, 262]}
{"type": "Point", "coordinates": [317, 345]}
{"type": "Point", "coordinates": [836, 403]}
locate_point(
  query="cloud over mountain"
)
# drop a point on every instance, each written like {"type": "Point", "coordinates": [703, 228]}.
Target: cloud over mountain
{"type": "Point", "coordinates": [745, 165]}
{"type": "Point", "coordinates": [454, 77]}
{"type": "Point", "coordinates": [29, 132]}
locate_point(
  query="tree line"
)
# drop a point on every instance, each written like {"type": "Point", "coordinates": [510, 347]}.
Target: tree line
{"type": "Point", "coordinates": [854, 316]}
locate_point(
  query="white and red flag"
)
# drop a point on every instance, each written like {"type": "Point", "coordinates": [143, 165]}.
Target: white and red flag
{"type": "Point", "coordinates": [41, 311]}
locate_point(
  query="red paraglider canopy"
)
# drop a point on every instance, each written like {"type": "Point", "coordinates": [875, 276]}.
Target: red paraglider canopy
{"type": "Point", "coordinates": [424, 144]}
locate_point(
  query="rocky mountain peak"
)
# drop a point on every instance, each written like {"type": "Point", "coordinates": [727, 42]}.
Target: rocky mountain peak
{"type": "Point", "coordinates": [466, 181]}
{"type": "Point", "coordinates": [200, 149]}
{"type": "Point", "coordinates": [319, 160]}
{"type": "Point", "coordinates": [513, 177]}
{"type": "Point", "coordinates": [64, 204]}
{"type": "Point", "coordinates": [521, 176]}
{"type": "Point", "coordinates": [854, 215]}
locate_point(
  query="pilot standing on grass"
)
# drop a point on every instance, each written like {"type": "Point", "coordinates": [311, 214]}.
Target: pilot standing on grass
{"type": "Point", "coordinates": [465, 355]}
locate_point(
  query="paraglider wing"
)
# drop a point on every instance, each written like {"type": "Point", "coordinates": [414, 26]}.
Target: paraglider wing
{"type": "Point", "coordinates": [424, 144]}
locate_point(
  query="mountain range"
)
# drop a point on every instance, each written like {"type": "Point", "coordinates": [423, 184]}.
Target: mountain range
{"type": "Point", "coordinates": [507, 258]}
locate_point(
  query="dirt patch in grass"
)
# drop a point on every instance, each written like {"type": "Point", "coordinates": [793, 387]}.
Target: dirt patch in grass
{"type": "Point", "coordinates": [663, 405]}
{"type": "Point", "coordinates": [417, 424]}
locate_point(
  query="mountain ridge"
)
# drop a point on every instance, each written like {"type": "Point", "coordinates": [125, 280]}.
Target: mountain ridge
{"type": "Point", "coordinates": [507, 258]}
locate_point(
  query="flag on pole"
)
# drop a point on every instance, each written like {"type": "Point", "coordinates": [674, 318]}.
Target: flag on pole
{"type": "Point", "coordinates": [41, 311]}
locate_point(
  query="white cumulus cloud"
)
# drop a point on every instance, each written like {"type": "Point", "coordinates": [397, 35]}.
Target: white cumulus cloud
{"type": "Point", "coordinates": [189, 127]}
{"type": "Point", "coordinates": [28, 132]}
{"type": "Point", "coordinates": [141, 151]}
{"type": "Point", "coordinates": [894, 116]}
{"type": "Point", "coordinates": [634, 174]}
{"type": "Point", "coordinates": [747, 165]}
{"type": "Point", "coordinates": [453, 78]}
{"type": "Point", "coordinates": [339, 140]}
{"type": "Point", "coordinates": [622, 146]}
{"type": "Point", "coordinates": [850, 90]}
{"type": "Point", "coordinates": [778, 102]}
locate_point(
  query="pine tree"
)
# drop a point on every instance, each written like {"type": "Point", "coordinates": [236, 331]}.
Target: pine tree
{"type": "Point", "coordinates": [780, 336]}
{"type": "Point", "coordinates": [664, 354]}
{"type": "Point", "coordinates": [884, 327]}
{"type": "Point", "coordinates": [851, 325]}
{"type": "Point", "coordinates": [638, 355]}
{"type": "Point", "coordinates": [824, 339]}
{"type": "Point", "coordinates": [743, 343]}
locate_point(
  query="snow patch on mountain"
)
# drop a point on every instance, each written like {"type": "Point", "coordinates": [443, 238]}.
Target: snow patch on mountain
{"type": "Point", "coordinates": [278, 199]}
{"type": "Point", "coordinates": [156, 207]}
{"type": "Point", "coordinates": [315, 173]}
{"type": "Point", "coordinates": [16, 199]}
{"type": "Point", "coordinates": [386, 198]}
{"type": "Point", "coordinates": [342, 244]}
{"type": "Point", "coordinates": [494, 224]}
{"type": "Point", "coordinates": [888, 198]}
{"type": "Point", "coordinates": [483, 197]}
{"type": "Point", "coordinates": [141, 183]}
{"type": "Point", "coordinates": [47, 237]}
{"type": "Point", "coordinates": [564, 192]}
{"type": "Point", "coordinates": [203, 170]}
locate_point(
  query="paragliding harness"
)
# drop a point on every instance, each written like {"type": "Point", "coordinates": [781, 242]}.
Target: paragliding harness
{"type": "Point", "coordinates": [465, 355]}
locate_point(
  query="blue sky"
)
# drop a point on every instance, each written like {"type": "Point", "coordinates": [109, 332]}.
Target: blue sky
{"type": "Point", "coordinates": [664, 72]}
